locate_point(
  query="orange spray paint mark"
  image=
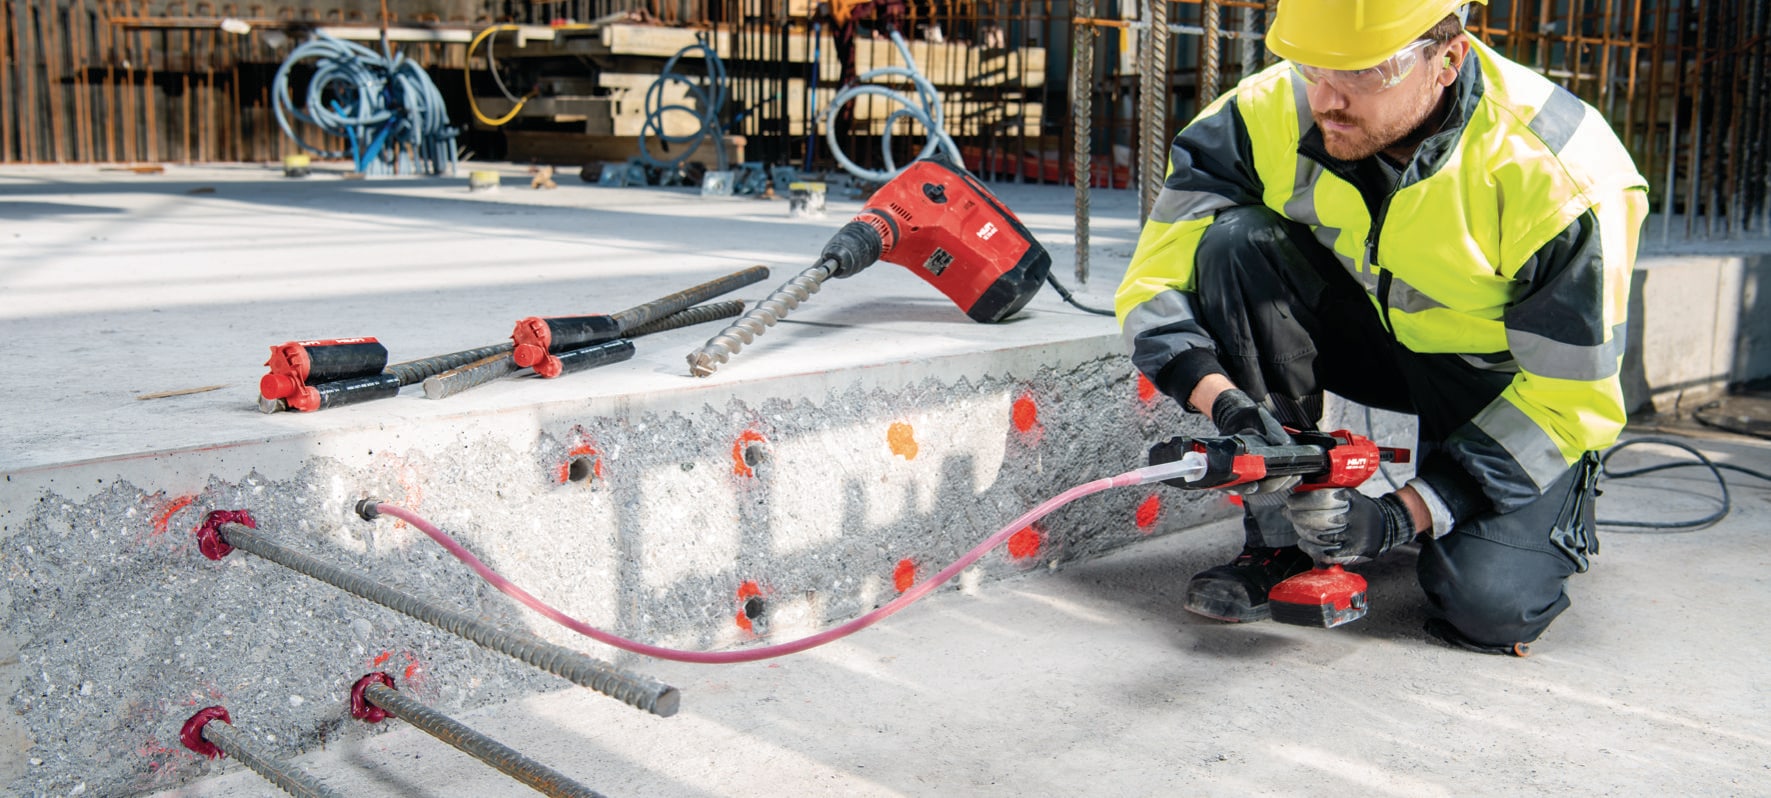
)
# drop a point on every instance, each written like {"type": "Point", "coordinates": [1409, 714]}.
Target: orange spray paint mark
{"type": "Point", "coordinates": [1148, 512]}
{"type": "Point", "coordinates": [1025, 543]}
{"type": "Point", "coordinates": [381, 659]}
{"type": "Point", "coordinates": [171, 509]}
{"type": "Point", "coordinates": [582, 450]}
{"type": "Point", "coordinates": [1146, 388]}
{"type": "Point", "coordinates": [1026, 413]}
{"type": "Point", "coordinates": [739, 466]}
{"type": "Point", "coordinates": [746, 592]}
{"type": "Point", "coordinates": [904, 576]}
{"type": "Point", "coordinates": [902, 438]}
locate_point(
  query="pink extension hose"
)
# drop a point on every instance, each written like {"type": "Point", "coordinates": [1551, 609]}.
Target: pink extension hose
{"type": "Point", "coordinates": [1188, 467]}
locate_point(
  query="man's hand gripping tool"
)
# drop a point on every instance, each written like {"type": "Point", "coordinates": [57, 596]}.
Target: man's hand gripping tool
{"type": "Point", "coordinates": [1326, 596]}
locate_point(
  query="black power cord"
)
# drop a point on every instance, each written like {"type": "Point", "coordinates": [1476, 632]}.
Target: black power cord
{"type": "Point", "coordinates": [1065, 294]}
{"type": "Point", "coordinates": [1715, 469]}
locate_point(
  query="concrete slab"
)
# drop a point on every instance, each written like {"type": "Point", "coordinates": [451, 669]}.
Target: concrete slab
{"type": "Point", "coordinates": [888, 430]}
{"type": "Point", "coordinates": [121, 285]}
{"type": "Point", "coordinates": [1092, 680]}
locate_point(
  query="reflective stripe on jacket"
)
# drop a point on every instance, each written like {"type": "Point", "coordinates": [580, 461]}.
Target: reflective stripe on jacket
{"type": "Point", "coordinates": [1508, 240]}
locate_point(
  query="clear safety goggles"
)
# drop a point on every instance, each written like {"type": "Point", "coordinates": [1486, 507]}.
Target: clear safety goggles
{"type": "Point", "coordinates": [1370, 80]}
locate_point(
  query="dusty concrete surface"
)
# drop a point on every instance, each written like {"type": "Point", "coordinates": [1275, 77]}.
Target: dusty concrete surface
{"type": "Point", "coordinates": [889, 430]}
{"type": "Point", "coordinates": [1091, 680]}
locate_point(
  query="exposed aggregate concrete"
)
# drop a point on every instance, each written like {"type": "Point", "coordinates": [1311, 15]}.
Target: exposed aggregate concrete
{"type": "Point", "coordinates": [123, 629]}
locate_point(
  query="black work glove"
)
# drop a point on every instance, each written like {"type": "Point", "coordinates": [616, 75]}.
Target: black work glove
{"type": "Point", "coordinates": [1235, 413]}
{"type": "Point", "coordinates": [1342, 525]}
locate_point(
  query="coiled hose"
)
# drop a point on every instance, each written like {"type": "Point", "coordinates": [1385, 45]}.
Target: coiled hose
{"type": "Point", "coordinates": [709, 100]}
{"type": "Point", "coordinates": [385, 106]}
{"type": "Point", "coordinates": [925, 108]}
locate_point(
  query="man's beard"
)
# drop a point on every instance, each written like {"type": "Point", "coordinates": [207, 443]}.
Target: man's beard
{"type": "Point", "coordinates": [1361, 142]}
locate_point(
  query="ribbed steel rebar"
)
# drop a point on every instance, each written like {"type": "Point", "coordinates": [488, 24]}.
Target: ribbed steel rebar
{"type": "Point", "coordinates": [414, 371]}
{"type": "Point", "coordinates": [637, 691]}
{"type": "Point", "coordinates": [1211, 18]}
{"type": "Point", "coordinates": [662, 307]}
{"type": "Point", "coordinates": [1082, 115]}
{"type": "Point", "coordinates": [480, 372]}
{"type": "Point", "coordinates": [236, 744]}
{"type": "Point", "coordinates": [472, 375]}
{"type": "Point", "coordinates": [712, 311]}
{"type": "Point", "coordinates": [507, 760]}
{"type": "Point", "coordinates": [722, 347]}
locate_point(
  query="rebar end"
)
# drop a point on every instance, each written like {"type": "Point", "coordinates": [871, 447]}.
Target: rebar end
{"type": "Point", "coordinates": [667, 703]}
{"type": "Point", "coordinates": [192, 733]}
{"type": "Point", "coordinates": [369, 508]}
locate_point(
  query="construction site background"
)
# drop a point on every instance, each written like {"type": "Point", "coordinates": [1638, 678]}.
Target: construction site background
{"type": "Point", "coordinates": [97, 81]}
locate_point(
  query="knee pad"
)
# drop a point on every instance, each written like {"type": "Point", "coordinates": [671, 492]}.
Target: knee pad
{"type": "Point", "coordinates": [1493, 595]}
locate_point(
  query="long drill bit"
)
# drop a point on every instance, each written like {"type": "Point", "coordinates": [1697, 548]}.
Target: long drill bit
{"type": "Point", "coordinates": [721, 347]}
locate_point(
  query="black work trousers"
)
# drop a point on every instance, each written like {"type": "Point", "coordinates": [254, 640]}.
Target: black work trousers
{"type": "Point", "coordinates": [1289, 321]}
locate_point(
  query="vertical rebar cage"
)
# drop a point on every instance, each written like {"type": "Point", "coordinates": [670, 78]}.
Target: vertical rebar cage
{"type": "Point", "coordinates": [107, 81]}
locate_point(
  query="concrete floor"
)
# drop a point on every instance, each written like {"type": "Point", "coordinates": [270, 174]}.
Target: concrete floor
{"type": "Point", "coordinates": [1087, 679]}
{"type": "Point", "coordinates": [1092, 680]}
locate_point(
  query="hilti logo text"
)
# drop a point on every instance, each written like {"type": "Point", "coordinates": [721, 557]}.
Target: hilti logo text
{"type": "Point", "coordinates": [988, 230]}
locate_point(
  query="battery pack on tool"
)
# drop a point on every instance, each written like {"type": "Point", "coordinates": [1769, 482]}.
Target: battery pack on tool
{"type": "Point", "coordinates": [1320, 597]}
{"type": "Point", "coordinates": [337, 393]}
{"type": "Point", "coordinates": [944, 226]}
{"type": "Point", "coordinates": [535, 338]}
{"type": "Point", "coordinates": [297, 364]}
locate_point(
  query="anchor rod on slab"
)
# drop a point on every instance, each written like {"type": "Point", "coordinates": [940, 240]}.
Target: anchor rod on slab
{"type": "Point", "coordinates": [226, 530]}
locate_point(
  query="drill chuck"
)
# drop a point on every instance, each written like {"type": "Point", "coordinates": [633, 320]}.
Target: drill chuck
{"type": "Point", "coordinates": [859, 244]}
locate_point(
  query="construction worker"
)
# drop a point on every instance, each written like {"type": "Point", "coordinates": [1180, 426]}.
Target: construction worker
{"type": "Point", "coordinates": [1400, 216]}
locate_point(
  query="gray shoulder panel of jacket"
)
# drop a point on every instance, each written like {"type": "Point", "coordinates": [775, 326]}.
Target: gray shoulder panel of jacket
{"type": "Point", "coordinates": [1161, 328]}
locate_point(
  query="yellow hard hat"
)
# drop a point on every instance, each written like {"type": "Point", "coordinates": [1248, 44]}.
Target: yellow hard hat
{"type": "Point", "coordinates": [1352, 34]}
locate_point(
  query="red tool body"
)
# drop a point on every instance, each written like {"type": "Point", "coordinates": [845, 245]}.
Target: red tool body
{"type": "Point", "coordinates": [944, 226]}
{"type": "Point", "coordinates": [1326, 596]}
{"type": "Point", "coordinates": [934, 219]}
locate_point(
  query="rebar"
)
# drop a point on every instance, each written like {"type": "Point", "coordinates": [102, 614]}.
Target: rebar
{"type": "Point", "coordinates": [1082, 88]}
{"type": "Point", "coordinates": [700, 314]}
{"type": "Point", "coordinates": [480, 372]}
{"type": "Point", "coordinates": [414, 371]}
{"type": "Point", "coordinates": [502, 757]}
{"type": "Point", "coordinates": [1209, 45]}
{"type": "Point", "coordinates": [637, 691]}
{"type": "Point", "coordinates": [211, 726]}
{"type": "Point", "coordinates": [666, 306]}
{"type": "Point", "coordinates": [472, 375]}
{"type": "Point", "coordinates": [721, 347]}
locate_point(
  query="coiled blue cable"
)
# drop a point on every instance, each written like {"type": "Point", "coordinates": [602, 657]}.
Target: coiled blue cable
{"type": "Point", "coordinates": [925, 108]}
{"type": "Point", "coordinates": [709, 100]}
{"type": "Point", "coordinates": [385, 105]}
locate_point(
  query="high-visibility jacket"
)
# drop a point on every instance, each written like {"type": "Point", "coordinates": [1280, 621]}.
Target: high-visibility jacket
{"type": "Point", "coordinates": [1508, 240]}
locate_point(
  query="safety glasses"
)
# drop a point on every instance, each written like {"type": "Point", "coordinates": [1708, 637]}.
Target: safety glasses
{"type": "Point", "coordinates": [1372, 79]}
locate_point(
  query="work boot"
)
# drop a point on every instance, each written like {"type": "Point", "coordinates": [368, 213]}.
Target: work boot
{"type": "Point", "coordinates": [1237, 592]}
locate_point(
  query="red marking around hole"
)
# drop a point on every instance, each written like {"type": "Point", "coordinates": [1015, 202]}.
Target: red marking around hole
{"type": "Point", "coordinates": [1025, 543]}
{"type": "Point", "coordinates": [1149, 511]}
{"type": "Point", "coordinates": [904, 576]}
{"type": "Point", "coordinates": [746, 592]}
{"type": "Point", "coordinates": [1146, 388]}
{"type": "Point", "coordinates": [1026, 413]}
{"type": "Point", "coordinates": [740, 467]}
{"type": "Point", "coordinates": [172, 508]}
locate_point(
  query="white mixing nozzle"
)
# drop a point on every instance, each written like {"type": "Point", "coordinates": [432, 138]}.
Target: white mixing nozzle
{"type": "Point", "coordinates": [1190, 468]}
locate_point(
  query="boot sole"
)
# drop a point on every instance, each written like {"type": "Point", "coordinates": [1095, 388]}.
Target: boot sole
{"type": "Point", "coordinates": [1225, 602]}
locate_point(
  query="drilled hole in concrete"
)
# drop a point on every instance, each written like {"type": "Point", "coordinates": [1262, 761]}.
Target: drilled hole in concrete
{"type": "Point", "coordinates": [580, 469]}
{"type": "Point", "coordinates": [753, 607]}
{"type": "Point", "coordinates": [755, 455]}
